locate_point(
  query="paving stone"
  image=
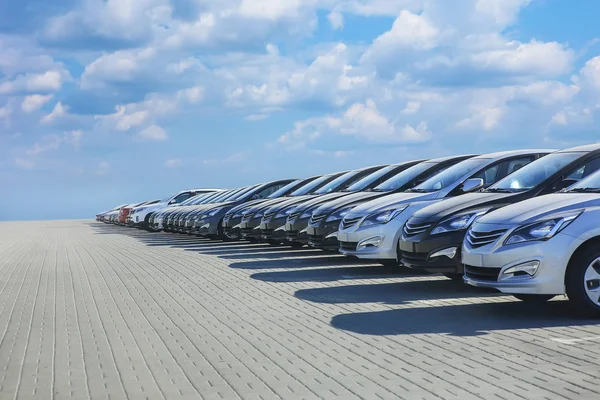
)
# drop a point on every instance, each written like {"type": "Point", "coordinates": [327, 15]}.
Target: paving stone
{"type": "Point", "coordinates": [89, 310]}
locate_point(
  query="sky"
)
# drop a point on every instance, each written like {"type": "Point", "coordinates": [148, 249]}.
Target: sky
{"type": "Point", "coordinates": [105, 102]}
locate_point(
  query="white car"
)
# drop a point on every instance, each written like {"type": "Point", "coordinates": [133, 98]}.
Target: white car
{"type": "Point", "coordinates": [541, 248]}
{"type": "Point", "coordinates": [142, 214]}
{"type": "Point", "coordinates": [373, 229]}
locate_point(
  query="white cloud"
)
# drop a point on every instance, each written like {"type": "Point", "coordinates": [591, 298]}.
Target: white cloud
{"type": "Point", "coordinates": [103, 168]}
{"type": "Point", "coordinates": [336, 20]}
{"type": "Point", "coordinates": [58, 112]}
{"type": "Point", "coordinates": [153, 133]}
{"type": "Point", "coordinates": [361, 120]}
{"type": "Point", "coordinates": [173, 163]}
{"type": "Point", "coordinates": [35, 102]}
{"type": "Point", "coordinates": [48, 81]}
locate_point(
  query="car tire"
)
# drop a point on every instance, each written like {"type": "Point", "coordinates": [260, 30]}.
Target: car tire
{"type": "Point", "coordinates": [534, 298]}
{"type": "Point", "coordinates": [577, 283]}
{"type": "Point", "coordinates": [454, 277]}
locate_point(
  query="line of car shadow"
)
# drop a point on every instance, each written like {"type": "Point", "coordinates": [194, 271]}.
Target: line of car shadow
{"type": "Point", "coordinates": [287, 265]}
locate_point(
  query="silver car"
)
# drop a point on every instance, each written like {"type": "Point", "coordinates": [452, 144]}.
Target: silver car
{"type": "Point", "coordinates": [541, 248]}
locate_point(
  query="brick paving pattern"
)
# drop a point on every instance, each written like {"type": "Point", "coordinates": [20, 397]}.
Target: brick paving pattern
{"type": "Point", "coordinates": [89, 310]}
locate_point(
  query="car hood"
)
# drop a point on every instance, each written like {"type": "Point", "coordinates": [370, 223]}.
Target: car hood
{"type": "Point", "coordinates": [290, 202]}
{"type": "Point", "coordinates": [531, 210]}
{"type": "Point", "coordinates": [444, 209]}
{"type": "Point", "coordinates": [317, 200]}
{"type": "Point", "coordinates": [389, 201]}
{"type": "Point", "coordinates": [348, 200]}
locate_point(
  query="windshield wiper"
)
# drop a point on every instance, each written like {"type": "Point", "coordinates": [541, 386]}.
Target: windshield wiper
{"type": "Point", "coordinates": [415, 190]}
{"type": "Point", "coordinates": [584, 190]}
{"type": "Point", "coordinates": [498, 190]}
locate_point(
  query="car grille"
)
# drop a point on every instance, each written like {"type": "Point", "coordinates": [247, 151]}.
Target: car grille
{"type": "Point", "coordinates": [482, 274]}
{"type": "Point", "coordinates": [316, 219]}
{"type": "Point", "coordinates": [414, 258]}
{"type": "Point", "coordinates": [268, 216]}
{"type": "Point", "coordinates": [350, 222]}
{"type": "Point", "coordinates": [479, 239]}
{"type": "Point", "coordinates": [415, 229]}
{"type": "Point", "coordinates": [246, 217]}
{"type": "Point", "coordinates": [293, 216]}
{"type": "Point", "coordinates": [267, 232]}
{"type": "Point", "coordinates": [349, 246]}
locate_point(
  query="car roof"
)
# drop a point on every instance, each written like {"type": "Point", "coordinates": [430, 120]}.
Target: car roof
{"type": "Point", "coordinates": [448, 158]}
{"type": "Point", "coordinates": [587, 147]}
{"type": "Point", "coordinates": [511, 153]}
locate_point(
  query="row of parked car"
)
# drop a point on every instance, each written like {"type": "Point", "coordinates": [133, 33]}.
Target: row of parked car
{"type": "Point", "coordinates": [524, 222]}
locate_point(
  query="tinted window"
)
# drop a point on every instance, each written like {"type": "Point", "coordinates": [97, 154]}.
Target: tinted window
{"type": "Point", "coordinates": [451, 175]}
{"type": "Point", "coordinates": [285, 189]}
{"type": "Point", "coordinates": [365, 182]}
{"type": "Point", "coordinates": [536, 172]}
{"type": "Point", "coordinates": [306, 189]}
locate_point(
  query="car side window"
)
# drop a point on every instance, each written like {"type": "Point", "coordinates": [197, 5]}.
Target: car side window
{"type": "Point", "coordinates": [182, 197]}
{"type": "Point", "coordinates": [575, 175]}
{"type": "Point", "coordinates": [502, 169]}
{"type": "Point", "coordinates": [267, 191]}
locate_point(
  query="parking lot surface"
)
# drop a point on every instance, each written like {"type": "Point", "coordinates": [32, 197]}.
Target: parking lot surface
{"type": "Point", "coordinates": [89, 310]}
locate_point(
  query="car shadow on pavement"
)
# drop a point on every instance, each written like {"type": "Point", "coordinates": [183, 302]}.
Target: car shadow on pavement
{"type": "Point", "coordinates": [294, 262]}
{"type": "Point", "coordinates": [334, 274]}
{"type": "Point", "coordinates": [394, 293]}
{"type": "Point", "coordinates": [461, 320]}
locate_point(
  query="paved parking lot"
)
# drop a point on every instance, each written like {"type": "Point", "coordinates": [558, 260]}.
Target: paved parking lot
{"type": "Point", "coordinates": [89, 310]}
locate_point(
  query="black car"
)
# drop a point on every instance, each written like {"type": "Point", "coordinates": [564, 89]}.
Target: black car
{"type": "Point", "coordinates": [252, 217]}
{"type": "Point", "coordinates": [231, 222]}
{"type": "Point", "coordinates": [272, 225]}
{"type": "Point", "coordinates": [325, 220]}
{"type": "Point", "coordinates": [210, 222]}
{"type": "Point", "coordinates": [432, 238]}
{"type": "Point", "coordinates": [297, 221]}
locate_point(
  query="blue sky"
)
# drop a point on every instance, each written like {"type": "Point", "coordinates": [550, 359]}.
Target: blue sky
{"type": "Point", "coordinates": [111, 101]}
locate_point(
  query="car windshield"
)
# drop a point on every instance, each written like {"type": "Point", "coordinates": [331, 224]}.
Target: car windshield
{"type": "Point", "coordinates": [285, 189]}
{"type": "Point", "coordinates": [308, 188]}
{"type": "Point", "coordinates": [368, 180]}
{"type": "Point", "coordinates": [224, 195]}
{"type": "Point", "coordinates": [337, 182]}
{"type": "Point", "coordinates": [166, 199]}
{"type": "Point", "coordinates": [191, 200]}
{"type": "Point", "coordinates": [242, 193]}
{"type": "Point", "coordinates": [451, 175]}
{"type": "Point", "coordinates": [535, 173]}
{"type": "Point", "coordinates": [399, 180]}
{"type": "Point", "coordinates": [590, 184]}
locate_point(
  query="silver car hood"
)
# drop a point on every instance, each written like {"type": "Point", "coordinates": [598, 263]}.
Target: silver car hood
{"type": "Point", "coordinates": [390, 200]}
{"type": "Point", "coordinates": [537, 208]}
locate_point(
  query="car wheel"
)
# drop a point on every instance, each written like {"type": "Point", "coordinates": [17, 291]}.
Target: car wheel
{"type": "Point", "coordinates": [534, 298]}
{"type": "Point", "coordinates": [454, 277]}
{"type": "Point", "coordinates": [583, 283]}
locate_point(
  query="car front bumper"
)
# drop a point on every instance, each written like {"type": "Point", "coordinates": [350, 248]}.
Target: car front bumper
{"type": "Point", "coordinates": [274, 229]}
{"type": "Point", "coordinates": [296, 231]}
{"type": "Point", "coordinates": [416, 252]}
{"type": "Point", "coordinates": [374, 242]}
{"type": "Point", "coordinates": [324, 236]}
{"type": "Point", "coordinates": [485, 266]}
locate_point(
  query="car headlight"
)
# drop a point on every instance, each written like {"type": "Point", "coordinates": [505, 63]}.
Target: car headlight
{"type": "Point", "coordinates": [458, 222]}
{"type": "Point", "coordinates": [383, 217]}
{"type": "Point", "coordinates": [338, 215]}
{"type": "Point", "coordinates": [284, 213]}
{"type": "Point", "coordinates": [541, 230]}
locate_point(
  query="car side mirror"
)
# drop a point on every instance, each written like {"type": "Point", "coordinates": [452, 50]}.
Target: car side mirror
{"type": "Point", "coordinates": [472, 185]}
{"type": "Point", "coordinates": [172, 201]}
{"type": "Point", "coordinates": [255, 197]}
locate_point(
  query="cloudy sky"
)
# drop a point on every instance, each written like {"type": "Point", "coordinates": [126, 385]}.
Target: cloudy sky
{"type": "Point", "coordinates": [111, 101]}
